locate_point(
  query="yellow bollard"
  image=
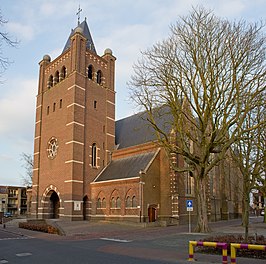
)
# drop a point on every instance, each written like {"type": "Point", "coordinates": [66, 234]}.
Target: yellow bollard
{"type": "Point", "coordinates": [191, 250]}
{"type": "Point", "coordinates": [207, 244]}
{"type": "Point", "coordinates": [234, 246]}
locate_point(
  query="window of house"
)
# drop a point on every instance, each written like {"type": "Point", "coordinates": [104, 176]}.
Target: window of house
{"type": "Point", "coordinates": [99, 77]}
{"type": "Point", "coordinates": [54, 107]}
{"type": "Point", "coordinates": [118, 202]}
{"type": "Point", "coordinates": [128, 202]}
{"type": "Point", "coordinates": [99, 204]}
{"type": "Point", "coordinates": [134, 201]}
{"type": "Point", "coordinates": [189, 183]}
{"type": "Point", "coordinates": [94, 155]}
{"type": "Point", "coordinates": [61, 103]}
{"type": "Point", "coordinates": [56, 77]}
{"type": "Point", "coordinates": [94, 104]}
{"type": "Point", "coordinates": [50, 81]}
{"type": "Point", "coordinates": [63, 73]}
{"type": "Point", "coordinates": [90, 72]}
{"type": "Point", "coordinates": [113, 202]}
{"type": "Point", "coordinates": [103, 203]}
{"type": "Point", "coordinates": [48, 110]}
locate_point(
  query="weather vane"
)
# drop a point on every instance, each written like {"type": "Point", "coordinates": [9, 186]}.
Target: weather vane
{"type": "Point", "coordinates": [78, 14]}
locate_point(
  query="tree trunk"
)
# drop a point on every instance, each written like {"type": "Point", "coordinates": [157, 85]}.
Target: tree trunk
{"type": "Point", "coordinates": [264, 208]}
{"type": "Point", "coordinates": [245, 217]}
{"type": "Point", "coordinates": [202, 207]}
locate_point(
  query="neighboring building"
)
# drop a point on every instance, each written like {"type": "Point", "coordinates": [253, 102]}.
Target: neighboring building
{"type": "Point", "coordinates": [87, 166]}
{"type": "Point", "coordinates": [3, 198]}
{"type": "Point", "coordinates": [13, 200]}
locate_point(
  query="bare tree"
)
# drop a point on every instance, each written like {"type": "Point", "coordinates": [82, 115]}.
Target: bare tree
{"type": "Point", "coordinates": [261, 181]}
{"type": "Point", "coordinates": [28, 166]}
{"type": "Point", "coordinates": [5, 39]}
{"type": "Point", "coordinates": [209, 73]}
{"type": "Point", "coordinates": [248, 153]}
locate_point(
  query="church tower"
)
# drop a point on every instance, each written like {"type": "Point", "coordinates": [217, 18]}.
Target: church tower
{"type": "Point", "coordinates": [74, 129]}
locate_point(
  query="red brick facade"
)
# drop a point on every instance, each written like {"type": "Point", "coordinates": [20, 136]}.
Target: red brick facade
{"type": "Point", "coordinates": [75, 140]}
{"type": "Point", "coordinates": [77, 111]}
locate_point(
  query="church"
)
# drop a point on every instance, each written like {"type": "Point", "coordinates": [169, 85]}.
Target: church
{"type": "Point", "coordinates": [88, 166]}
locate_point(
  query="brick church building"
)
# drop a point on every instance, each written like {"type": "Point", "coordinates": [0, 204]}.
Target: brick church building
{"type": "Point", "coordinates": [88, 166]}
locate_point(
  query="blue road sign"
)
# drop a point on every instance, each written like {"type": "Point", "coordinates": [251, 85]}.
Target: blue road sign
{"type": "Point", "coordinates": [189, 205]}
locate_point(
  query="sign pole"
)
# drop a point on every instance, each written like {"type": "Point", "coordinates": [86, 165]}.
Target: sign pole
{"type": "Point", "coordinates": [189, 209]}
{"type": "Point", "coordinates": [189, 222]}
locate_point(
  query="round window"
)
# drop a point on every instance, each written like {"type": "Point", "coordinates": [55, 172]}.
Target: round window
{"type": "Point", "coordinates": [52, 148]}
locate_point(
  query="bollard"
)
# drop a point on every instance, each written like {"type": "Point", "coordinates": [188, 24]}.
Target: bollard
{"type": "Point", "coordinates": [235, 246]}
{"type": "Point", "coordinates": [192, 244]}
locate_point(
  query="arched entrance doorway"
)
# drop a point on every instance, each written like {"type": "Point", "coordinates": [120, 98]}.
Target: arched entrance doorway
{"type": "Point", "coordinates": [54, 205]}
{"type": "Point", "coordinates": [85, 205]}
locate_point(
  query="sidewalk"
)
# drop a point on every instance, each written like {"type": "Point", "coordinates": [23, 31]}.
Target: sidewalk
{"type": "Point", "coordinates": [233, 226]}
{"type": "Point", "coordinates": [172, 240]}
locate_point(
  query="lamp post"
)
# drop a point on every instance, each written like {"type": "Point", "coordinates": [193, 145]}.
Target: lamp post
{"type": "Point", "coordinates": [215, 218]}
{"type": "Point", "coordinates": [141, 183]}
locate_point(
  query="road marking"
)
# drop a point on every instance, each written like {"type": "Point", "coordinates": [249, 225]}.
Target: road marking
{"type": "Point", "coordinates": [14, 238]}
{"type": "Point", "coordinates": [3, 261]}
{"type": "Point", "coordinates": [23, 254]}
{"type": "Point", "coordinates": [116, 240]}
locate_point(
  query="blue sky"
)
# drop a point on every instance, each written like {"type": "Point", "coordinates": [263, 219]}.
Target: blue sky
{"type": "Point", "coordinates": [43, 26]}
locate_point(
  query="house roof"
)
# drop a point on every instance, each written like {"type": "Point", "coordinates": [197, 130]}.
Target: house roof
{"type": "Point", "coordinates": [128, 167]}
{"type": "Point", "coordinates": [86, 33]}
{"type": "Point", "coordinates": [136, 129]}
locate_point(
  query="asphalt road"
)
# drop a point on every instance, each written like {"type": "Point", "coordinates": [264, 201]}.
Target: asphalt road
{"type": "Point", "coordinates": [140, 246]}
{"type": "Point", "coordinates": [18, 249]}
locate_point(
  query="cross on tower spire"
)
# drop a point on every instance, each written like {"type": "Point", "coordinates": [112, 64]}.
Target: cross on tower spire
{"type": "Point", "coordinates": [78, 14]}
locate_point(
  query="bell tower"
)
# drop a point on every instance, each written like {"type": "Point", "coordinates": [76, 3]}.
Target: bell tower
{"type": "Point", "coordinates": [74, 128]}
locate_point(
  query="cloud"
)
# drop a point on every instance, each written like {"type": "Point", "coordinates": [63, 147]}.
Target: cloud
{"type": "Point", "coordinates": [17, 108]}
{"type": "Point", "coordinates": [22, 32]}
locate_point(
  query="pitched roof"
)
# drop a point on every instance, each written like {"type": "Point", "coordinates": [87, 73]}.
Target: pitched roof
{"type": "Point", "coordinates": [136, 129]}
{"type": "Point", "coordinates": [128, 167]}
{"type": "Point", "coordinates": [86, 33]}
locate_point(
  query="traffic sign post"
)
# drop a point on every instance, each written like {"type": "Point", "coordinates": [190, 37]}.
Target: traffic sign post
{"type": "Point", "coordinates": [189, 209]}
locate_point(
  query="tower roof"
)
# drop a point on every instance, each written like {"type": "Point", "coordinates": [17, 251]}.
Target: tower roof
{"type": "Point", "coordinates": [86, 33]}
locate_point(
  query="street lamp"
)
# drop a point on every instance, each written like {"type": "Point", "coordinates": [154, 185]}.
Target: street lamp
{"type": "Point", "coordinates": [141, 183]}
{"type": "Point", "coordinates": [214, 208]}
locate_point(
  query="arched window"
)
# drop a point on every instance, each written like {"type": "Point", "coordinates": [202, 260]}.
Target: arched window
{"type": "Point", "coordinates": [62, 74]}
{"type": "Point", "coordinates": [99, 204]}
{"type": "Point", "coordinates": [118, 202]}
{"type": "Point", "coordinates": [56, 77]}
{"type": "Point", "coordinates": [90, 72]}
{"type": "Point", "coordinates": [94, 155]}
{"type": "Point", "coordinates": [103, 203]}
{"type": "Point", "coordinates": [99, 77]}
{"type": "Point", "coordinates": [134, 201]}
{"type": "Point", "coordinates": [113, 202]}
{"type": "Point", "coordinates": [128, 202]}
{"type": "Point", "coordinates": [50, 81]}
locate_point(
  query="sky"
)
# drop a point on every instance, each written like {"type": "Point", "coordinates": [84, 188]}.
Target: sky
{"type": "Point", "coordinates": [43, 27]}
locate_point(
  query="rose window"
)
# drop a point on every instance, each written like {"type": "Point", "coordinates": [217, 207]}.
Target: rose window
{"type": "Point", "coordinates": [52, 148]}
